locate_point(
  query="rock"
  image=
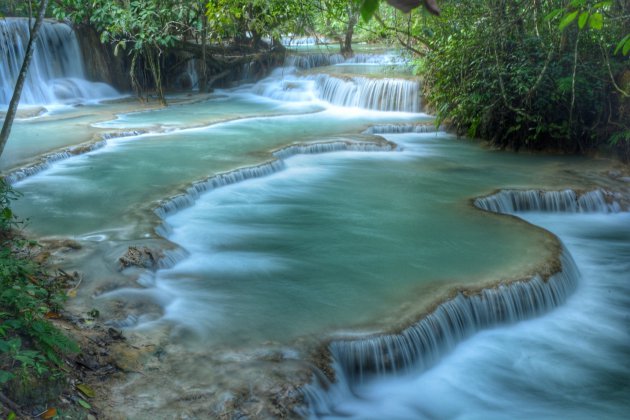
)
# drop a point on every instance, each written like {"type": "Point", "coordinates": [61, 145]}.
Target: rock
{"type": "Point", "coordinates": [142, 257]}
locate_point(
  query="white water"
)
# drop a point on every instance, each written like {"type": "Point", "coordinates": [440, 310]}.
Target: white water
{"type": "Point", "coordinates": [56, 74]}
{"type": "Point", "coordinates": [571, 363]}
{"type": "Point", "coordinates": [307, 237]}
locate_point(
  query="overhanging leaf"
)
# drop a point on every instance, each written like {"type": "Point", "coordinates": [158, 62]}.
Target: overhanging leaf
{"type": "Point", "coordinates": [622, 43]}
{"type": "Point", "coordinates": [583, 19]}
{"type": "Point", "coordinates": [368, 8]}
{"type": "Point", "coordinates": [596, 21]}
{"type": "Point", "coordinates": [567, 19]}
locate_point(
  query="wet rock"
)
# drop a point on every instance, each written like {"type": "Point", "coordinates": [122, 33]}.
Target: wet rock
{"type": "Point", "coordinates": [142, 257]}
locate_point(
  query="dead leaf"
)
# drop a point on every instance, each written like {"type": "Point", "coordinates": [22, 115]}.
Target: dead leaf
{"type": "Point", "coordinates": [52, 315]}
{"type": "Point", "coordinates": [86, 390]}
{"type": "Point", "coordinates": [49, 414]}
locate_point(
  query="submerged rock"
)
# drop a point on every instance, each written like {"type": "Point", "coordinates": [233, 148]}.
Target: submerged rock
{"type": "Point", "coordinates": [142, 257]}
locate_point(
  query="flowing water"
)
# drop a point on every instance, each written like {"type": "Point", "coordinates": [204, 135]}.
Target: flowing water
{"type": "Point", "coordinates": [323, 207]}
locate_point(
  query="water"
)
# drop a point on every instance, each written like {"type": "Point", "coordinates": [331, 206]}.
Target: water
{"type": "Point", "coordinates": [310, 207]}
{"type": "Point", "coordinates": [56, 73]}
{"type": "Point", "coordinates": [571, 363]}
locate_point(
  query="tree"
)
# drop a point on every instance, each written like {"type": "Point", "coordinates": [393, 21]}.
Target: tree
{"type": "Point", "coordinates": [19, 84]}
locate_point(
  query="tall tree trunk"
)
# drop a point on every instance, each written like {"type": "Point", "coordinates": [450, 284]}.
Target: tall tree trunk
{"type": "Point", "coordinates": [203, 81]}
{"type": "Point", "coordinates": [353, 18]}
{"type": "Point", "coordinates": [17, 91]}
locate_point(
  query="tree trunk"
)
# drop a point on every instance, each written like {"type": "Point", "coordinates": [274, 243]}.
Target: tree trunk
{"type": "Point", "coordinates": [17, 91]}
{"type": "Point", "coordinates": [346, 49]}
{"type": "Point", "coordinates": [203, 81]}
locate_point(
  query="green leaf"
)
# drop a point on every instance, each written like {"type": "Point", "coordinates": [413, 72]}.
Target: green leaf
{"type": "Point", "coordinates": [596, 21]}
{"type": "Point", "coordinates": [626, 47]}
{"type": "Point", "coordinates": [567, 19]}
{"type": "Point", "coordinates": [368, 8]}
{"type": "Point", "coordinates": [84, 404]}
{"type": "Point", "coordinates": [554, 13]}
{"type": "Point", "coordinates": [622, 43]}
{"type": "Point", "coordinates": [582, 19]}
{"type": "Point", "coordinates": [602, 4]}
{"type": "Point", "coordinates": [5, 376]}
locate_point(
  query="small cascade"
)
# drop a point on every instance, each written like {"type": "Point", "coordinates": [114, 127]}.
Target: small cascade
{"type": "Point", "coordinates": [56, 73]}
{"type": "Point", "coordinates": [47, 160]}
{"type": "Point", "coordinates": [377, 59]}
{"type": "Point", "coordinates": [376, 94]}
{"type": "Point", "coordinates": [338, 146]}
{"type": "Point", "coordinates": [186, 199]}
{"type": "Point", "coordinates": [192, 193]}
{"type": "Point", "coordinates": [421, 345]}
{"type": "Point", "coordinates": [566, 201]}
{"type": "Point", "coordinates": [189, 78]}
{"type": "Point", "coordinates": [309, 61]}
{"type": "Point", "coordinates": [401, 129]}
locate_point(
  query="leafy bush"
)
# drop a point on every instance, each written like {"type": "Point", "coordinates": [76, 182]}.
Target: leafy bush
{"type": "Point", "coordinates": [30, 346]}
{"type": "Point", "coordinates": [511, 73]}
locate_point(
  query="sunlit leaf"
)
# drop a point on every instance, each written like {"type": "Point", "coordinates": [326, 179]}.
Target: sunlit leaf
{"type": "Point", "coordinates": [567, 19]}
{"type": "Point", "coordinates": [583, 19]}
{"type": "Point", "coordinates": [596, 21]}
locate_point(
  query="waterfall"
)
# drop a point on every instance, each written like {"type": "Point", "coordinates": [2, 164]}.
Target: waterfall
{"type": "Point", "coordinates": [186, 199]}
{"type": "Point", "coordinates": [377, 94]}
{"type": "Point", "coordinates": [421, 345]}
{"type": "Point", "coordinates": [402, 128]}
{"type": "Point", "coordinates": [45, 161]}
{"type": "Point", "coordinates": [568, 201]}
{"type": "Point", "coordinates": [56, 73]}
{"type": "Point", "coordinates": [338, 146]}
{"type": "Point", "coordinates": [308, 61]}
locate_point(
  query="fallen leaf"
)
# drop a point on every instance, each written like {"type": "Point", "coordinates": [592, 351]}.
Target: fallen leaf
{"type": "Point", "coordinates": [84, 404]}
{"type": "Point", "coordinates": [49, 414]}
{"type": "Point", "coordinates": [72, 293]}
{"type": "Point", "coordinates": [86, 390]}
{"type": "Point", "coordinates": [52, 315]}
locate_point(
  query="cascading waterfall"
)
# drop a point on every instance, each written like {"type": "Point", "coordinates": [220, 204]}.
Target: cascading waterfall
{"type": "Point", "coordinates": [402, 128]}
{"type": "Point", "coordinates": [376, 94]}
{"type": "Point", "coordinates": [309, 61]}
{"type": "Point", "coordinates": [510, 201]}
{"type": "Point", "coordinates": [181, 201]}
{"type": "Point", "coordinates": [47, 160]}
{"type": "Point", "coordinates": [421, 345]}
{"type": "Point", "coordinates": [56, 73]}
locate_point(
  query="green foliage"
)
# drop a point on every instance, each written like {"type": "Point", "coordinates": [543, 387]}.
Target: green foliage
{"type": "Point", "coordinates": [523, 74]}
{"type": "Point", "coordinates": [30, 346]}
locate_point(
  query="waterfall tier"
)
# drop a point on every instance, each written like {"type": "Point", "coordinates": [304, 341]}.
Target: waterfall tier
{"type": "Point", "coordinates": [56, 73]}
{"type": "Point", "coordinates": [422, 344]}
{"type": "Point", "coordinates": [181, 201]}
{"type": "Point", "coordinates": [357, 92]}
{"type": "Point", "coordinates": [567, 201]}
{"type": "Point", "coordinates": [376, 94]}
